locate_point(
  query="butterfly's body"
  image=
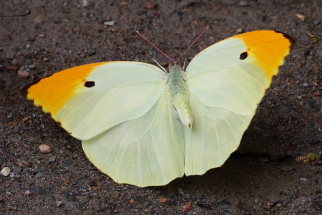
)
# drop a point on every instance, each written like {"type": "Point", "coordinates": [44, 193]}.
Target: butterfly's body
{"type": "Point", "coordinates": [135, 121]}
{"type": "Point", "coordinates": [179, 94]}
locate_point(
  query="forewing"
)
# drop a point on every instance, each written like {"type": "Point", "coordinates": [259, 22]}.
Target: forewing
{"type": "Point", "coordinates": [90, 99]}
{"type": "Point", "coordinates": [234, 73]}
{"type": "Point", "coordinates": [227, 82]}
{"type": "Point", "coordinates": [148, 151]}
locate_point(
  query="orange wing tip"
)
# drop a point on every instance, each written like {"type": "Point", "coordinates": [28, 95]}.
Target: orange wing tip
{"type": "Point", "coordinates": [269, 48]}
{"type": "Point", "coordinates": [53, 92]}
{"type": "Point", "coordinates": [286, 36]}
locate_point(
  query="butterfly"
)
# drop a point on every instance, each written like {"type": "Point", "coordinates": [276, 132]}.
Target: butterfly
{"type": "Point", "coordinates": [142, 126]}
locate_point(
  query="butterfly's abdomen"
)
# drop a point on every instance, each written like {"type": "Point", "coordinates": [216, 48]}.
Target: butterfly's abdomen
{"type": "Point", "coordinates": [179, 93]}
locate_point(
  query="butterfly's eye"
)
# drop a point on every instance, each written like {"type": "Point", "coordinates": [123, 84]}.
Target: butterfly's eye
{"type": "Point", "coordinates": [243, 56]}
{"type": "Point", "coordinates": [89, 84]}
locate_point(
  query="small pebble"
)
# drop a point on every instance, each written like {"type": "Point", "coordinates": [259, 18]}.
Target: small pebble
{"type": "Point", "coordinates": [239, 30]}
{"type": "Point", "coordinates": [243, 3]}
{"type": "Point", "coordinates": [163, 200]}
{"type": "Point", "coordinates": [5, 171]}
{"type": "Point", "coordinates": [305, 84]}
{"type": "Point", "coordinates": [23, 72]}
{"type": "Point", "coordinates": [12, 175]}
{"type": "Point", "coordinates": [27, 192]}
{"type": "Point", "coordinates": [8, 193]}
{"type": "Point", "coordinates": [303, 179]}
{"type": "Point", "coordinates": [44, 148]}
{"type": "Point", "coordinates": [32, 66]}
{"type": "Point", "coordinates": [124, 3]}
{"type": "Point", "coordinates": [300, 16]}
{"type": "Point", "coordinates": [59, 203]}
{"type": "Point", "coordinates": [84, 3]}
{"type": "Point", "coordinates": [109, 23]}
{"type": "Point", "coordinates": [278, 205]}
{"type": "Point", "coordinates": [187, 207]}
{"type": "Point", "coordinates": [256, 201]}
{"type": "Point", "coordinates": [268, 205]}
{"type": "Point", "coordinates": [25, 119]}
{"type": "Point", "coordinates": [180, 190]}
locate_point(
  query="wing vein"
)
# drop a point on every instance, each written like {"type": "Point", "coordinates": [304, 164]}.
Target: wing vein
{"type": "Point", "coordinates": [157, 156]}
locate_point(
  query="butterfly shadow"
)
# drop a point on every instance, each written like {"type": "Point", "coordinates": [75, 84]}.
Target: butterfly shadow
{"type": "Point", "coordinates": [249, 173]}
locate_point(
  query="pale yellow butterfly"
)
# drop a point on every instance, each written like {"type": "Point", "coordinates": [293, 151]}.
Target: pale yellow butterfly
{"type": "Point", "coordinates": [144, 127]}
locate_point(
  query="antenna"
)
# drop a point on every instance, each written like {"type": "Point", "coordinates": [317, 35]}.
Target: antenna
{"type": "Point", "coordinates": [175, 61]}
{"type": "Point", "coordinates": [156, 47]}
{"type": "Point", "coordinates": [190, 46]}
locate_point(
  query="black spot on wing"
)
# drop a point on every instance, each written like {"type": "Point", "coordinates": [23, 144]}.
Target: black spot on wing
{"type": "Point", "coordinates": [89, 84]}
{"type": "Point", "coordinates": [243, 56]}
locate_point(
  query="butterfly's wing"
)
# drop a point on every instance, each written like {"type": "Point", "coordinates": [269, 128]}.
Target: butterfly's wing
{"type": "Point", "coordinates": [148, 151]}
{"type": "Point", "coordinates": [93, 98]}
{"type": "Point", "coordinates": [227, 82]}
{"type": "Point", "coordinates": [120, 112]}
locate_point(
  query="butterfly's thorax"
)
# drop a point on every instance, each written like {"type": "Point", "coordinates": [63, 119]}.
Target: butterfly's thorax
{"type": "Point", "coordinates": [179, 94]}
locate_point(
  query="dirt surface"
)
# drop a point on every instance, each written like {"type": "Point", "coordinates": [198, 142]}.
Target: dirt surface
{"type": "Point", "coordinates": [262, 177]}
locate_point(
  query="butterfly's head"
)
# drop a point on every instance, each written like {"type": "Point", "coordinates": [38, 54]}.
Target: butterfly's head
{"type": "Point", "coordinates": [174, 68]}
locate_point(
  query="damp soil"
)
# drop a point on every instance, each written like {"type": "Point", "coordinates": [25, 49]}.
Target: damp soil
{"type": "Point", "coordinates": [268, 174]}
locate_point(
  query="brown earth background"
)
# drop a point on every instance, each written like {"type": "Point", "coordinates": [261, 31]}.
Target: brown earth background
{"type": "Point", "coordinates": [262, 177]}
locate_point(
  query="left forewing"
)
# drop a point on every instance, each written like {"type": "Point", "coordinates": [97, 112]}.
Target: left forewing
{"type": "Point", "coordinates": [89, 99]}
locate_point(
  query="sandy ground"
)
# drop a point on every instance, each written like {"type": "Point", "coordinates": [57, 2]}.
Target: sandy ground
{"type": "Point", "coordinates": [262, 177]}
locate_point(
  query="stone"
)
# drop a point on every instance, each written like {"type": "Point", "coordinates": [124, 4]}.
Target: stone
{"type": "Point", "coordinates": [5, 171]}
